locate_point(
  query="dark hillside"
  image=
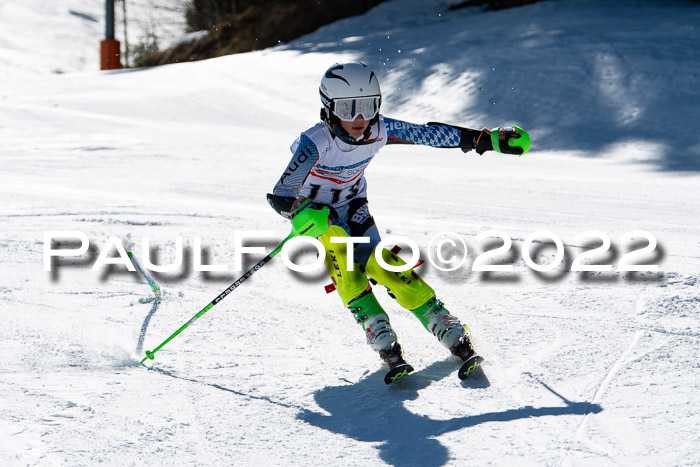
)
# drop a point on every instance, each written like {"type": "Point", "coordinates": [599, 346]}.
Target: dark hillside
{"type": "Point", "coordinates": [258, 25]}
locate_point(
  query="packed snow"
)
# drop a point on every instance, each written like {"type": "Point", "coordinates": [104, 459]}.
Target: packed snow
{"type": "Point", "coordinates": [40, 37]}
{"type": "Point", "coordinates": [581, 368]}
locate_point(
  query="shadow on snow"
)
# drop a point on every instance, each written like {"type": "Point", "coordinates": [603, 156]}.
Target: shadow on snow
{"type": "Point", "coordinates": [596, 91]}
{"type": "Point", "coordinates": [365, 412]}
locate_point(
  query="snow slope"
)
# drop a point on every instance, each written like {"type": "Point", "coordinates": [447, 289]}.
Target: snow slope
{"type": "Point", "coordinates": [581, 368]}
{"type": "Point", "coordinates": [64, 36]}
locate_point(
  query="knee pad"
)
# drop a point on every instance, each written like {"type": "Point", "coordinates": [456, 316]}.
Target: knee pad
{"type": "Point", "coordinates": [406, 287]}
{"type": "Point", "coordinates": [349, 284]}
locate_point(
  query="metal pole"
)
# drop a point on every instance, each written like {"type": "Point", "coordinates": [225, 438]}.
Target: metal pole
{"type": "Point", "coordinates": [109, 47]}
{"type": "Point", "coordinates": [109, 15]}
{"type": "Point", "coordinates": [126, 41]}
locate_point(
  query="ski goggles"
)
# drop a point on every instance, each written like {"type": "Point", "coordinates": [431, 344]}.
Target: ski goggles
{"type": "Point", "coordinates": [349, 109]}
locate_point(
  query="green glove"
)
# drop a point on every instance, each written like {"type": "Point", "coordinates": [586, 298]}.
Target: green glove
{"type": "Point", "coordinates": [310, 218]}
{"type": "Point", "coordinates": [510, 140]}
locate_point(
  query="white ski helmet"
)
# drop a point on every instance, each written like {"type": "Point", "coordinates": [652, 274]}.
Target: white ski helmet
{"type": "Point", "coordinates": [350, 89]}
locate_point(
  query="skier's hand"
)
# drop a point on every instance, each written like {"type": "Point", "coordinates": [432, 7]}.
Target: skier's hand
{"type": "Point", "coordinates": [310, 218]}
{"type": "Point", "coordinates": [299, 206]}
{"type": "Point", "coordinates": [281, 204]}
{"type": "Point", "coordinates": [510, 140]}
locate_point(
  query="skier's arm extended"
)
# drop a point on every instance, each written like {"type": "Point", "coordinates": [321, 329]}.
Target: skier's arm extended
{"type": "Point", "coordinates": [441, 135]}
{"type": "Point", "coordinates": [287, 188]}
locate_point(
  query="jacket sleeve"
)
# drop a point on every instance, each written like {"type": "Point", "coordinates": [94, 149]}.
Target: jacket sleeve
{"type": "Point", "coordinates": [293, 178]}
{"type": "Point", "coordinates": [287, 188]}
{"type": "Point", "coordinates": [437, 135]}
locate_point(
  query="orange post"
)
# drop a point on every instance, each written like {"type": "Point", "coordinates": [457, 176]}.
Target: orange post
{"type": "Point", "coordinates": [109, 55]}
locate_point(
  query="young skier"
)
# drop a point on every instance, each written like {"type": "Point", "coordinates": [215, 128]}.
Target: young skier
{"type": "Point", "coordinates": [328, 166]}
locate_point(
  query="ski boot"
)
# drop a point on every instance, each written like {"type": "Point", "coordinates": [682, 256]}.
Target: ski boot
{"type": "Point", "coordinates": [380, 335]}
{"type": "Point", "coordinates": [440, 322]}
{"type": "Point", "coordinates": [465, 351]}
{"type": "Point", "coordinates": [451, 334]}
{"type": "Point", "coordinates": [398, 368]}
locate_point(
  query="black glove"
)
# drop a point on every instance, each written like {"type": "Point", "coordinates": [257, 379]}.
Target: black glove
{"type": "Point", "coordinates": [510, 140]}
{"type": "Point", "coordinates": [281, 204]}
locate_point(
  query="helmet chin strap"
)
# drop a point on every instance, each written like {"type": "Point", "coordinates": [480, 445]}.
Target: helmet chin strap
{"type": "Point", "coordinates": [333, 124]}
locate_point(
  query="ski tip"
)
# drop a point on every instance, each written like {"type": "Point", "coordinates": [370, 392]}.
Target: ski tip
{"type": "Point", "coordinates": [397, 373]}
{"type": "Point", "coordinates": [469, 366]}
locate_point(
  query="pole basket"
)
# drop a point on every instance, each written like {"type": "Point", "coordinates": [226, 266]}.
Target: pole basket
{"type": "Point", "coordinates": [109, 55]}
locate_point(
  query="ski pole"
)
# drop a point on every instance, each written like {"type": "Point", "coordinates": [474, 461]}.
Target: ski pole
{"type": "Point", "coordinates": [309, 222]}
{"type": "Point", "coordinates": [151, 282]}
{"type": "Point", "coordinates": [155, 299]}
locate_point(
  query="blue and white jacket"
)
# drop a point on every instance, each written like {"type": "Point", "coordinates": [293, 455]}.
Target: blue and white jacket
{"type": "Point", "coordinates": [331, 171]}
